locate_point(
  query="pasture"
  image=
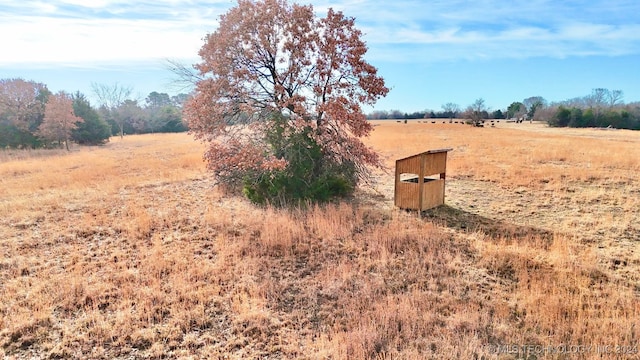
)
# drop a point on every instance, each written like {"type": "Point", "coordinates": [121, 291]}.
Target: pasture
{"type": "Point", "coordinates": [129, 251]}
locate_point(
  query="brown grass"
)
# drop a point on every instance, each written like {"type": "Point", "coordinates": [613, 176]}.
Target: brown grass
{"type": "Point", "coordinates": [127, 251]}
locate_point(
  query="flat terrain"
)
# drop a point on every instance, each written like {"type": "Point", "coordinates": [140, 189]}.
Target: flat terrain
{"type": "Point", "coordinates": [128, 251]}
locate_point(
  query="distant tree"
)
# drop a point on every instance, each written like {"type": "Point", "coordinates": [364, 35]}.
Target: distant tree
{"type": "Point", "coordinates": [615, 97]}
{"type": "Point", "coordinates": [21, 112]}
{"type": "Point", "coordinates": [378, 115]}
{"type": "Point", "coordinates": [93, 130]}
{"type": "Point", "coordinates": [163, 114]}
{"type": "Point", "coordinates": [179, 100]}
{"type": "Point", "coordinates": [589, 118]}
{"type": "Point", "coordinates": [601, 108]}
{"type": "Point", "coordinates": [396, 114]}
{"type": "Point", "coordinates": [545, 113]}
{"type": "Point", "coordinates": [417, 115]}
{"type": "Point", "coordinates": [111, 97]}
{"type": "Point", "coordinates": [516, 110]}
{"type": "Point", "coordinates": [613, 119]}
{"type": "Point", "coordinates": [59, 119]}
{"type": "Point", "coordinates": [532, 104]}
{"type": "Point", "coordinates": [598, 98]}
{"type": "Point", "coordinates": [21, 101]}
{"type": "Point", "coordinates": [280, 101]}
{"type": "Point", "coordinates": [561, 118]}
{"type": "Point", "coordinates": [477, 112]}
{"type": "Point", "coordinates": [168, 119]}
{"type": "Point", "coordinates": [131, 114]}
{"type": "Point", "coordinates": [451, 110]}
{"type": "Point", "coordinates": [156, 100]}
{"type": "Point", "coordinates": [601, 98]}
{"type": "Point", "coordinates": [576, 118]}
{"type": "Point", "coordinates": [497, 114]}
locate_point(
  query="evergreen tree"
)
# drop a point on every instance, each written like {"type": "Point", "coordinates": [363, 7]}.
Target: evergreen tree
{"type": "Point", "coordinates": [94, 130]}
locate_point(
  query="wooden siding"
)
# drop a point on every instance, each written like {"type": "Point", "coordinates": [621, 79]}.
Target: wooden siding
{"type": "Point", "coordinates": [407, 195]}
{"type": "Point", "coordinates": [432, 194]}
{"type": "Point", "coordinates": [421, 193]}
{"type": "Point", "coordinates": [408, 165]}
{"type": "Point", "coordinates": [434, 163]}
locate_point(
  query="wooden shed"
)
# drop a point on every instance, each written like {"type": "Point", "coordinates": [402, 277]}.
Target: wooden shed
{"type": "Point", "coordinates": [420, 180]}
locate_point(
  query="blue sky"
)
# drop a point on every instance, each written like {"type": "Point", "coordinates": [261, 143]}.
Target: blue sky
{"type": "Point", "coordinates": [429, 52]}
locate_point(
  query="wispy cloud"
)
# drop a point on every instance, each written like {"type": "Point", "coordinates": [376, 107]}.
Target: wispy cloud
{"type": "Point", "coordinates": [452, 30]}
{"type": "Point", "coordinates": [85, 33]}
{"type": "Point", "coordinates": [78, 32]}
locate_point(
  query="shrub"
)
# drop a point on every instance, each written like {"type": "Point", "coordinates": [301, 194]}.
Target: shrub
{"type": "Point", "coordinates": [309, 176]}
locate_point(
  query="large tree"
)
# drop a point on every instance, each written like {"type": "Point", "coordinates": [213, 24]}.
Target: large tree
{"type": "Point", "coordinates": [276, 80]}
{"type": "Point", "coordinates": [21, 111]}
{"type": "Point", "coordinates": [59, 119]}
{"type": "Point", "coordinates": [21, 102]}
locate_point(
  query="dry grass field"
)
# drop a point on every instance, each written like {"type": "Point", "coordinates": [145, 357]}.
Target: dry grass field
{"type": "Point", "coordinates": [127, 251]}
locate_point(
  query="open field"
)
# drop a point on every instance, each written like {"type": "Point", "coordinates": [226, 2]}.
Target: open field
{"type": "Point", "coordinates": [127, 251]}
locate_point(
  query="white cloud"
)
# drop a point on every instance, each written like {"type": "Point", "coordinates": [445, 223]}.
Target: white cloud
{"type": "Point", "coordinates": [94, 4]}
{"type": "Point", "coordinates": [44, 7]}
{"type": "Point", "coordinates": [78, 32]}
{"type": "Point", "coordinates": [58, 41]}
{"type": "Point", "coordinates": [454, 29]}
{"type": "Point", "coordinates": [101, 31]}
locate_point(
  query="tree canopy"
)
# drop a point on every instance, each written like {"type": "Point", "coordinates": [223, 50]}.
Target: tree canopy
{"type": "Point", "coordinates": [451, 109]}
{"type": "Point", "coordinates": [477, 112]}
{"type": "Point", "coordinates": [272, 69]}
{"type": "Point", "coordinates": [93, 130]}
{"type": "Point", "coordinates": [59, 119]}
{"type": "Point", "coordinates": [21, 112]}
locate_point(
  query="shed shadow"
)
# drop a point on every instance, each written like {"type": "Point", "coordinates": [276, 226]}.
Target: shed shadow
{"type": "Point", "coordinates": [461, 220]}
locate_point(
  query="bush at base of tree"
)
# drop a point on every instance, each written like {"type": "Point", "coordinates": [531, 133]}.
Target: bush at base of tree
{"type": "Point", "coordinates": [309, 175]}
{"type": "Point", "coordinates": [280, 188]}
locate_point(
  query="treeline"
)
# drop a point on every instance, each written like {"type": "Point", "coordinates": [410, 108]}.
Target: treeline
{"type": "Point", "coordinates": [477, 111]}
{"type": "Point", "coordinates": [625, 118]}
{"type": "Point", "coordinates": [601, 108]}
{"type": "Point", "coordinates": [31, 116]}
{"type": "Point", "coordinates": [428, 114]}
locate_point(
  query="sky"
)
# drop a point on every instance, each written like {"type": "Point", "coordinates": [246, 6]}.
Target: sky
{"type": "Point", "coordinates": [429, 52]}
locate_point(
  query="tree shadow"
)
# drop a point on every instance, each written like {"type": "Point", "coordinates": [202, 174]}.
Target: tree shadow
{"type": "Point", "coordinates": [461, 220]}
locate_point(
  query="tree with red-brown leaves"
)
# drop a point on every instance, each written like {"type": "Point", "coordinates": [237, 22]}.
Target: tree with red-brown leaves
{"type": "Point", "coordinates": [21, 111]}
{"type": "Point", "coordinates": [59, 119]}
{"type": "Point", "coordinates": [21, 101]}
{"type": "Point", "coordinates": [276, 80]}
